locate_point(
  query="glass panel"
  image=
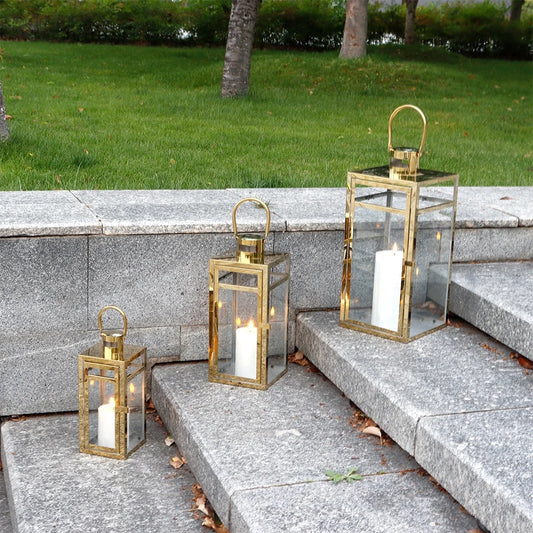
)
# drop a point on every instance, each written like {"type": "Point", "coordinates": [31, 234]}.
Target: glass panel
{"type": "Point", "coordinates": [102, 394]}
{"type": "Point", "coordinates": [376, 270]}
{"type": "Point", "coordinates": [431, 270]}
{"type": "Point", "coordinates": [135, 416]}
{"type": "Point", "coordinates": [237, 325]}
{"type": "Point", "coordinates": [278, 313]}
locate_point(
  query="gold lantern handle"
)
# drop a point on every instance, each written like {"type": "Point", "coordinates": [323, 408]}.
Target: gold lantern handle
{"type": "Point", "coordinates": [250, 246]}
{"type": "Point", "coordinates": [125, 320]}
{"type": "Point", "coordinates": [419, 111]}
{"type": "Point", "coordinates": [261, 204]}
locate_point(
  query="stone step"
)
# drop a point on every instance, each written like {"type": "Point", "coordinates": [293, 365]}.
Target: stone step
{"type": "Point", "coordinates": [455, 400]}
{"type": "Point", "coordinates": [261, 458]}
{"type": "Point", "coordinates": [5, 518]}
{"type": "Point", "coordinates": [497, 298]}
{"type": "Point", "coordinates": [54, 487]}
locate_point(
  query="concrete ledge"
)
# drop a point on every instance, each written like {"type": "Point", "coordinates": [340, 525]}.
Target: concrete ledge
{"type": "Point", "coordinates": [54, 487]}
{"type": "Point", "coordinates": [261, 458]}
{"type": "Point", "coordinates": [66, 254]}
{"type": "Point", "coordinates": [435, 397]}
{"type": "Point", "coordinates": [498, 299]}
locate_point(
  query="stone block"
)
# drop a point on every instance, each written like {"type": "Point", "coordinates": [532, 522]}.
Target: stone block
{"type": "Point", "coordinates": [493, 244]}
{"type": "Point", "coordinates": [496, 298]}
{"type": "Point", "coordinates": [237, 439]}
{"type": "Point", "coordinates": [402, 503]}
{"type": "Point", "coordinates": [170, 211]}
{"type": "Point", "coordinates": [484, 460]}
{"type": "Point", "coordinates": [194, 343]}
{"type": "Point", "coordinates": [453, 370]}
{"type": "Point", "coordinates": [157, 280]}
{"type": "Point", "coordinates": [43, 284]}
{"type": "Point", "coordinates": [316, 267]}
{"type": "Point", "coordinates": [44, 213]}
{"type": "Point", "coordinates": [56, 488]}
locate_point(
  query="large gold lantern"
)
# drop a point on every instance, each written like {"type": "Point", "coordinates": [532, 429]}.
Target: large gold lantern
{"type": "Point", "coordinates": [398, 246]}
{"type": "Point", "coordinates": [111, 375]}
{"type": "Point", "coordinates": [248, 311]}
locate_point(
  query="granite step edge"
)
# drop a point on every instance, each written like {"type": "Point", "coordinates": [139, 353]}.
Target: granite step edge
{"type": "Point", "coordinates": [5, 515]}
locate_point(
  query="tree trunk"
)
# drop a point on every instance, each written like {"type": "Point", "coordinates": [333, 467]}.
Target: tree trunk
{"type": "Point", "coordinates": [410, 21]}
{"type": "Point", "coordinates": [516, 10]}
{"type": "Point", "coordinates": [236, 74]}
{"type": "Point", "coordinates": [4, 131]}
{"type": "Point", "coordinates": [355, 29]}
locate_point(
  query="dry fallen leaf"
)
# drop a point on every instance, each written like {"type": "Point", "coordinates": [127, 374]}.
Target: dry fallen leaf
{"type": "Point", "coordinates": [177, 461]}
{"type": "Point", "coordinates": [169, 441]}
{"type": "Point", "coordinates": [526, 363]}
{"type": "Point", "coordinates": [373, 430]}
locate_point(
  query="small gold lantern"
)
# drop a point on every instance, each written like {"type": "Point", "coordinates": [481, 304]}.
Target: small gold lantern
{"type": "Point", "coordinates": [111, 379]}
{"type": "Point", "coordinates": [248, 311]}
{"type": "Point", "coordinates": [398, 246]}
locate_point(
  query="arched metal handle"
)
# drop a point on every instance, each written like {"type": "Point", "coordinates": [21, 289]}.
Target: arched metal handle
{"type": "Point", "coordinates": [125, 320]}
{"type": "Point", "coordinates": [261, 204]}
{"type": "Point", "coordinates": [424, 132]}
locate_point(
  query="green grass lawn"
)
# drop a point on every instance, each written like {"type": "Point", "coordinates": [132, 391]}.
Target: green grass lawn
{"type": "Point", "coordinates": [99, 116]}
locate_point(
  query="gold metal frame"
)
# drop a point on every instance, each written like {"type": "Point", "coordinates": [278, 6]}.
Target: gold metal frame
{"type": "Point", "coordinates": [263, 272]}
{"type": "Point", "coordinates": [91, 359]}
{"type": "Point", "coordinates": [379, 178]}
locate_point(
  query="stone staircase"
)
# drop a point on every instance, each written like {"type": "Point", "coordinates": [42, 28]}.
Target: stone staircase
{"type": "Point", "coordinates": [455, 408]}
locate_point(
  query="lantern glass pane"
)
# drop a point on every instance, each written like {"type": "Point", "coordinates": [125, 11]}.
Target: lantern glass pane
{"type": "Point", "coordinates": [135, 416]}
{"type": "Point", "coordinates": [278, 314]}
{"type": "Point", "coordinates": [432, 267]}
{"type": "Point", "coordinates": [376, 269]}
{"type": "Point", "coordinates": [102, 396]}
{"type": "Point", "coordinates": [237, 309]}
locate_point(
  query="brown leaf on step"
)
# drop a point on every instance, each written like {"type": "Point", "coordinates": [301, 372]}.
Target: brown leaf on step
{"type": "Point", "coordinates": [298, 358]}
{"type": "Point", "coordinates": [177, 462]}
{"type": "Point", "coordinates": [477, 530]}
{"type": "Point", "coordinates": [197, 491]}
{"type": "Point", "coordinates": [210, 523]}
{"type": "Point", "coordinates": [526, 363]}
{"type": "Point", "coordinates": [489, 348]}
{"type": "Point", "coordinates": [505, 198]}
{"type": "Point", "coordinates": [169, 440]}
{"type": "Point", "coordinates": [373, 430]}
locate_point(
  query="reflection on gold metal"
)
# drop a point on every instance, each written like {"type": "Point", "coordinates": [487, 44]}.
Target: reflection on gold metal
{"type": "Point", "coordinates": [404, 161]}
{"type": "Point", "coordinates": [248, 311]}
{"type": "Point", "coordinates": [111, 392]}
{"type": "Point", "coordinates": [113, 340]}
{"type": "Point", "coordinates": [250, 246]}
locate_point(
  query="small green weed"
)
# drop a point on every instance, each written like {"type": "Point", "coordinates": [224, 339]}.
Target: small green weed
{"type": "Point", "coordinates": [350, 477]}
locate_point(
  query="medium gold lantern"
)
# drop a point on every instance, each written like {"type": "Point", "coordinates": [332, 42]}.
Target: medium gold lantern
{"type": "Point", "coordinates": [398, 246]}
{"type": "Point", "coordinates": [111, 376]}
{"type": "Point", "coordinates": [248, 311]}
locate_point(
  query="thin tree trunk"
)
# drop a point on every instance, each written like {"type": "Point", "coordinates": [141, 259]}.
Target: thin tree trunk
{"type": "Point", "coordinates": [4, 131]}
{"type": "Point", "coordinates": [410, 21]}
{"type": "Point", "coordinates": [355, 29]}
{"type": "Point", "coordinates": [516, 10]}
{"type": "Point", "coordinates": [236, 74]}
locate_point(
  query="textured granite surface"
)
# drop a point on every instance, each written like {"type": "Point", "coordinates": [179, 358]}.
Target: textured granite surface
{"type": "Point", "coordinates": [38, 213]}
{"type": "Point", "coordinates": [5, 517]}
{"type": "Point", "coordinates": [256, 446]}
{"type": "Point", "coordinates": [498, 299]}
{"type": "Point", "coordinates": [57, 488]}
{"type": "Point", "coordinates": [453, 370]}
{"type": "Point", "coordinates": [432, 382]}
{"type": "Point", "coordinates": [485, 460]}
{"type": "Point", "coordinates": [399, 503]}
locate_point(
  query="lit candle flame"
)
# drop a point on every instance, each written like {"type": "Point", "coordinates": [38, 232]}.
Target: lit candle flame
{"type": "Point", "coordinates": [219, 304]}
{"type": "Point", "coordinates": [132, 388]}
{"type": "Point", "coordinates": [417, 271]}
{"type": "Point", "coordinates": [250, 324]}
{"type": "Point", "coordinates": [112, 401]}
{"type": "Point", "coordinates": [438, 235]}
{"type": "Point", "coordinates": [272, 311]}
{"type": "Point", "coordinates": [238, 321]}
{"type": "Point", "coordinates": [395, 247]}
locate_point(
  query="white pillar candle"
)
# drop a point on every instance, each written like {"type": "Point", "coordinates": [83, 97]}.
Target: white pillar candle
{"type": "Point", "coordinates": [387, 289]}
{"type": "Point", "coordinates": [246, 351]}
{"type": "Point", "coordinates": [106, 424]}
